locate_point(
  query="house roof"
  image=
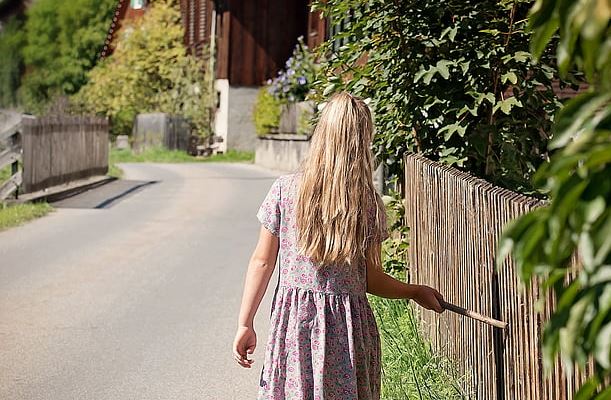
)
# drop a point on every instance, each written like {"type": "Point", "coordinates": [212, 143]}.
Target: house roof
{"type": "Point", "coordinates": [122, 11]}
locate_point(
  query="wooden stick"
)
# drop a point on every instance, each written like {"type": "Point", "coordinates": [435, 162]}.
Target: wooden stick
{"type": "Point", "coordinates": [473, 314]}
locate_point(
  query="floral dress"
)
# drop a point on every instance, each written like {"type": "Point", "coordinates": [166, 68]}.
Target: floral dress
{"type": "Point", "coordinates": [323, 342]}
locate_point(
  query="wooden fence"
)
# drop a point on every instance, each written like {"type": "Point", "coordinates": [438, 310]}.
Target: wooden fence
{"type": "Point", "coordinates": [53, 151]}
{"type": "Point", "coordinates": [455, 222]}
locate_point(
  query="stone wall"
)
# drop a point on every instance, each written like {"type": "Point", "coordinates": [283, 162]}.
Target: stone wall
{"type": "Point", "coordinates": [241, 133]}
{"type": "Point", "coordinates": [281, 152]}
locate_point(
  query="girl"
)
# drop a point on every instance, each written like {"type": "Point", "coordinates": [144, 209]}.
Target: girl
{"type": "Point", "coordinates": [326, 222]}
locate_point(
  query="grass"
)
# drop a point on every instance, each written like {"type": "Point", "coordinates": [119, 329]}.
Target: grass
{"type": "Point", "coordinates": [176, 156]}
{"type": "Point", "coordinates": [160, 155]}
{"type": "Point", "coordinates": [115, 171]}
{"type": "Point", "coordinates": [5, 173]}
{"type": "Point", "coordinates": [410, 368]}
{"type": "Point", "coordinates": [13, 215]}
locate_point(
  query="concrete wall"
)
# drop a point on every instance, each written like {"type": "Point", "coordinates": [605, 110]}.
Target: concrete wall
{"type": "Point", "coordinates": [221, 117]}
{"type": "Point", "coordinates": [281, 152]}
{"type": "Point", "coordinates": [241, 133]}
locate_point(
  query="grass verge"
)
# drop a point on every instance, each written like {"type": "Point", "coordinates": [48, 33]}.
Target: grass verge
{"type": "Point", "coordinates": [410, 368]}
{"type": "Point", "coordinates": [13, 215]}
{"type": "Point", "coordinates": [176, 156]}
{"type": "Point", "coordinates": [160, 155]}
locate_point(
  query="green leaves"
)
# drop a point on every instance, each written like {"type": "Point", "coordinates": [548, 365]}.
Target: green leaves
{"type": "Point", "coordinates": [266, 113]}
{"type": "Point", "coordinates": [577, 178]}
{"type": "Point", "coordinates": [12, 39]}
{"type": "Point", "coordinates": [506, 105]}
{"type": "Point", "coordinates": [584, 35]}
{"type": "Point", "coordinates": [150, 71]}
{"type": "Point", "coordinates": [431, 73]}
{"type": "Point", "coordinates": [63, 40]}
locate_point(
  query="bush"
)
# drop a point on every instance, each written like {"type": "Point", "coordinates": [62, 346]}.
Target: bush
{"type": "Point", "coordinates": [64, 39]}
{"type": "Point", "coordinates": [451, 80]}
{"type": "Point", "coordinates": [266, 112]}
{"type": "Point", "coordinates": [12, 39]}
{"type": "Point", "coordinates": [150, 71]}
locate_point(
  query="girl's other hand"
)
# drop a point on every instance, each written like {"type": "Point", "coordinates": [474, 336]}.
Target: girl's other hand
{"type": "Point", "coordinates": [429, 298]}
{"type": "Point", "coordinates": [244, 343]}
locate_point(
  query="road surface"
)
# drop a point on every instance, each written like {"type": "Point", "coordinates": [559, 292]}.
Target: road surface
{"type": "Point", "coordinates": [134, 296]}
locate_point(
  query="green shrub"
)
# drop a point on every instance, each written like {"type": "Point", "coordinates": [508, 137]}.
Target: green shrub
{"type": "Point", "coordinates": [150, 71]}
{"type": "Point", "coordinates": [63, 42]}
{"type": "Point", "coordinates": [12, 40]}
{"type": "Point", "coordinates": [452, 80]}
{"type": "Point", "coordinates": [266, 112]}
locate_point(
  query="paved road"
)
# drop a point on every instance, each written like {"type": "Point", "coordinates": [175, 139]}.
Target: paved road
{"type": "Point", "coordinates": [137, 299]}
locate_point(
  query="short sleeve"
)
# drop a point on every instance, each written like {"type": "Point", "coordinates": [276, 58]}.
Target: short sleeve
{"type": "Point", "coordinates": [269, 212]}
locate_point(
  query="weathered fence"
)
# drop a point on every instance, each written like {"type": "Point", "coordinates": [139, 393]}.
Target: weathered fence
{"type": "Point", "coordinates": [455, 222]}
{"type": "Point", "coordinates": [53, 151]}
{"type": "Point", "coordinates": [161, 130]}
{"type": "Point", "coordinates": [58, 150]}
{"type": "Point", "coordinates": [10, 152]}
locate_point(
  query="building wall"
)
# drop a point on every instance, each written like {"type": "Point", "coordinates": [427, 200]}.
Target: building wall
{"type": "Point", "coordinates": [241, 134]}
{"type": "Point", "coordinates": [256, 37]}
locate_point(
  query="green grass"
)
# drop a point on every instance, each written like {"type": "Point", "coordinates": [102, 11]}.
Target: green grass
{"type": "Point", "coordinates": [5, 173]}
{"type": "Point", "coordinates": [175, 156]}
{"type": "Point", "coordinates": [115, 171]}
{"type": "Point", "coordinates": [160, 155]}
{"type": "Point", "coordinates": [410, 368]}
{"type": "Point", "coordinates": [13, 215]}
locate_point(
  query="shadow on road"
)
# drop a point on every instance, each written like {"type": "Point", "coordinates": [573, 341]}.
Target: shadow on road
{"type": "Point", "coordinates": [104, 196]}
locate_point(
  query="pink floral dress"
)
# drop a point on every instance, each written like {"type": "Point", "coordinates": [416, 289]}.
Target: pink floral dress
{"type": "Point", "coordinates": [323, 342]}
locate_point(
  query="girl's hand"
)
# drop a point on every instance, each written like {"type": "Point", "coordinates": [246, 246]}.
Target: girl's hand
{"type": "Point", "coordinates": [428, 298]}
{"type": "Point", "coordinates": [244, 343]}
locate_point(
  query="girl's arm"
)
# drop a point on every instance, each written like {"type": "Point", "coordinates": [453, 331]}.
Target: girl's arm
{"type": "Point", "coordinates": [260, 269]}
{"type": "Point", "coordinates": [381, 284]}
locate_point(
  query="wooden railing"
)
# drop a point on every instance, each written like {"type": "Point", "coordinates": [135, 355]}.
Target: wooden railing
{"type": "Point", "coordinates": [52, 151]}
{"type": "Point", "coordinates": [10, 139]}
{"type": "Point", "coordinates": [455, 222]}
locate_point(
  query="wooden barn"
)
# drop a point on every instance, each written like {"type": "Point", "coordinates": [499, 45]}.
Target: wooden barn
{"type": "Point", "coordinates": [250, 39]}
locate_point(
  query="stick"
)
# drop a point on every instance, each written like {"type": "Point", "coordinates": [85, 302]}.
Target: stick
{"type": "Point", "coordinates": [474, 315]}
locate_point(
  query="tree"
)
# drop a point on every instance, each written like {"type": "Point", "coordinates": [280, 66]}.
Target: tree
{"type": "Point", "coordinates": [578, 180]}
{"type": "Point", "coordinates": [63, 41]}
{"type": "Point", "coordinates": [150, 71]}
{"type": "Point", "coordinates": [12, 40]}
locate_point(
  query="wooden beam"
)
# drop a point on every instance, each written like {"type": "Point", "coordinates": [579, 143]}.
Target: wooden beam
{"type": "Point", "coordinates": [10, 131]}
{"type": "Point", "coordinates": [9, 187]}
{"type": "Point", "coordinates": [9, 156]}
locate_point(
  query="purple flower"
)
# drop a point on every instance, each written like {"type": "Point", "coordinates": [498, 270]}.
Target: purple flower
{"type": "Point", "coordinates": [301, 80]}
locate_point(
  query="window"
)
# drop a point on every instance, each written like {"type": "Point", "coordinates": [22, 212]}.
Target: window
{"type": "Point", "coordinates": [137, 4]}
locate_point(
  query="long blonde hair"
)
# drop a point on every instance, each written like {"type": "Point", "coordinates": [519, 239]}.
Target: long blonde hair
{"type": "Point", "coordinates": [336, 192]}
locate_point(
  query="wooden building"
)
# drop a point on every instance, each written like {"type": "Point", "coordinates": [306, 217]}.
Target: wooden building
{"type": "Point", "coordinates": [126, 10]}
{"type": "Point", "coordinates": [251, 41]}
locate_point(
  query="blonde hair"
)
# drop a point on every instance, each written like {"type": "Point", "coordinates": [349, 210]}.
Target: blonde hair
{"type": "Point", "coordinates": [336, 192]}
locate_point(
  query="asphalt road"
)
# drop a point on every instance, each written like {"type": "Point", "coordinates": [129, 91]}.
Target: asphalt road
{"type": "Point", "coordinates": [137, 298]}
